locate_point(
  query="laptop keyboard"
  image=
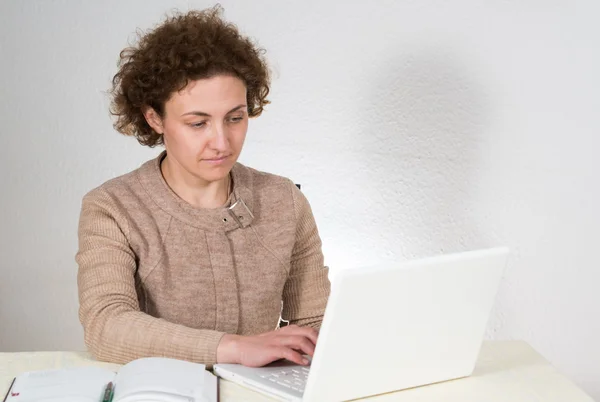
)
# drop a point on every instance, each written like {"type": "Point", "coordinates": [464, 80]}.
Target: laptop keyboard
{"type": "Point", "coordinates": [293, 378]}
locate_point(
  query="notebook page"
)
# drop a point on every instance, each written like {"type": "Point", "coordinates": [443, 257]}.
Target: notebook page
{"type": "Point", "coordinates": [182, 380]}
{"type": "Point", "coordinates": [81, 384]}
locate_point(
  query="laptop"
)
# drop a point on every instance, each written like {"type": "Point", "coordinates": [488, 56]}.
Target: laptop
{"type": "Point", "coordinates": [388, 328]}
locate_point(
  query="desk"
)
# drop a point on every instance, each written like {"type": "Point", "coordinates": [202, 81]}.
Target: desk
{"type": "Point", "coordinates": [505, 371]}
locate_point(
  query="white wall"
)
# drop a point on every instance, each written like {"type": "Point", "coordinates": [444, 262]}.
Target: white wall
{"type": "Point", "coordinates": [415, 127]}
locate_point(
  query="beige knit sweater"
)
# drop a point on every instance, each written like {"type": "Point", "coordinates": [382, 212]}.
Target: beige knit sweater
{"type": "Point", "coordinates": [159, 277]}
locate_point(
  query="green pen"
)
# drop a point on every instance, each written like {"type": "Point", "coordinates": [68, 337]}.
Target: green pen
{"type": "Point", "coordinates": [108, 393]}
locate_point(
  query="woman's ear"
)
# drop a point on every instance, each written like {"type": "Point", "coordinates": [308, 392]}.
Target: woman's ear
{"type": "Point", "coordinates": [153, 119]}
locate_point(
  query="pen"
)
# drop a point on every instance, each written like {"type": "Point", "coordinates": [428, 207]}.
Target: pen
{"type": "Point", "coordinates": [9, 389]}
{"type": "Point", "coordinates": [107, 397]}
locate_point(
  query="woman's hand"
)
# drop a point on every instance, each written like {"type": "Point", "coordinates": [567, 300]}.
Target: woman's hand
{"type": "Point", "coordinates": [289, 343]}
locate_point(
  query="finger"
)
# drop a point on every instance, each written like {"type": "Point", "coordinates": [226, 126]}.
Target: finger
{"type": "Point", "coordinates": [300, 343]}
{"type": "Point", "coordinates": [308, 332]}
{"type": "Point", "coordinates": [289, 354]}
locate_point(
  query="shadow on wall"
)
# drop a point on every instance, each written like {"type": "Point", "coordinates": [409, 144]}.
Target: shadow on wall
{"type": "Point", "coordinates": [425, 121]}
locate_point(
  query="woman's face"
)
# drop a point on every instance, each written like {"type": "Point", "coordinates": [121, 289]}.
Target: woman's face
{"type": "Point", "coordinates": [204, 127]}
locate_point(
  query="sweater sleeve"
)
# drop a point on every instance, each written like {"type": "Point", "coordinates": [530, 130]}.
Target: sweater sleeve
{"type": "Point", "coordinates": [307, 288]}
{"type": "Point", "coordinates": [115, 328]}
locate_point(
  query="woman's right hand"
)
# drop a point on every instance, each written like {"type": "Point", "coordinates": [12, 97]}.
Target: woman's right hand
{"type": "Point", "coordinates": [289, 343]}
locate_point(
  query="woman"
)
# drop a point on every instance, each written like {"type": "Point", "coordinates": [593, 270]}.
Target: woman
{"type": "Point", "coordinates": [192, 255]}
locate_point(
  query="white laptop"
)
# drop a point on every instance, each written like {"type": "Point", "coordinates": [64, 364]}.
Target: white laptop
{"type": "Point", "coordinates": [390, 328]}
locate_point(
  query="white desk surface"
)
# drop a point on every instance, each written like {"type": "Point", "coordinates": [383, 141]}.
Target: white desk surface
{"type": "Point", "coordinates": [505, 371]}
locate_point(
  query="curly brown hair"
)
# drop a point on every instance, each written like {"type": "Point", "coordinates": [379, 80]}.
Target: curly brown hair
{"type": "Point", "coordinates": [185, 47]}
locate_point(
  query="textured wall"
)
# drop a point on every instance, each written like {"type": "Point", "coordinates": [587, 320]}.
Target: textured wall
{"type": "Point", "coordinates": [415, 127]}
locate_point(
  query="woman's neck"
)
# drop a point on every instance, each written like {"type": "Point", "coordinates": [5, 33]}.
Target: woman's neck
{"type": "Point", "coordinates": [192, 189]}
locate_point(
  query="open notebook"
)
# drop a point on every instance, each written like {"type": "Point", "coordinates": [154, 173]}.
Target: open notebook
{"type": "Point", "coordinates": [151, 379]}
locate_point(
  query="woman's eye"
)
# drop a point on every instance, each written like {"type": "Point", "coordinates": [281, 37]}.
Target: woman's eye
{"type": "Point", "coordinates": [236, 119]}
{"type": "Point", "coordinates": [198, 125]}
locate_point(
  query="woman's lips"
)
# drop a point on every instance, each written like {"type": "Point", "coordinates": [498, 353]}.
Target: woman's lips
{"type": "Point", "coordinates": [216, 161]}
